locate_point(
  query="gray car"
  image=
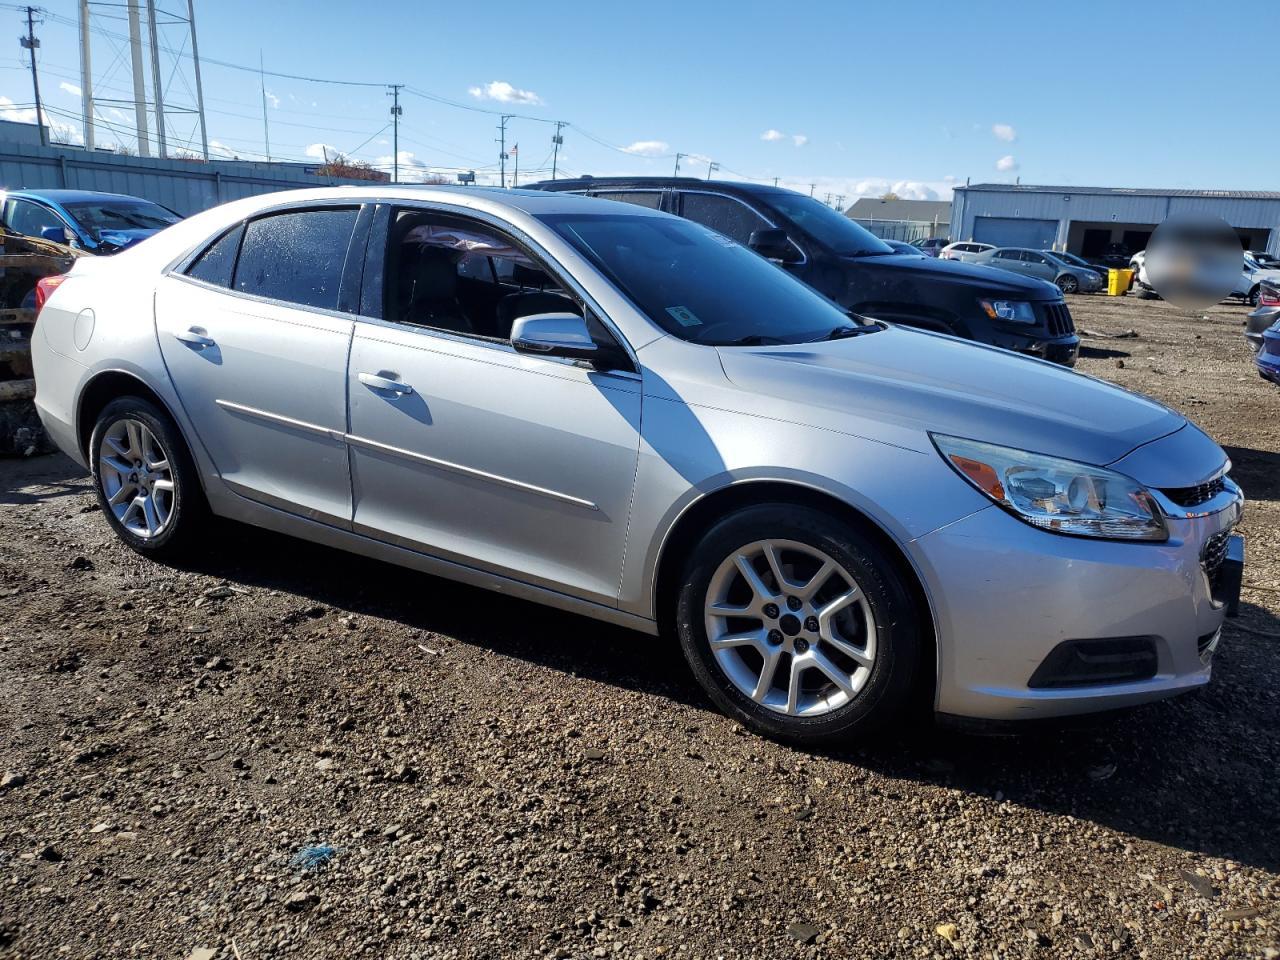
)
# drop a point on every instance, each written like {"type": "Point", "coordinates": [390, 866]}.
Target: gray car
{"type": "Point", "coordinates": [629, 416]}
{"type": "Point", "coordinates": [1264, 315]}
{"type": "Point", "coordinates": [1046, 265]}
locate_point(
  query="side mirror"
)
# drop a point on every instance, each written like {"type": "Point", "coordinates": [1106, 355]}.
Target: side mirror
{"type": "Point", "coordinates": [554, 335]}
{"type": "Point", "coordinates": [56, 234]}
{"type": "Point", "coordinates": [773, 244]}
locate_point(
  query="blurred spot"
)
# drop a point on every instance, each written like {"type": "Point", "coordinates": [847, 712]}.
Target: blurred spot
{"type": "Point", "coordinates": [1194, 260]}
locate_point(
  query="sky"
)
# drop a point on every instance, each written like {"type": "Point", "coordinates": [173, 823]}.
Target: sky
{"type": "Point", "coordinates": [847, 99]}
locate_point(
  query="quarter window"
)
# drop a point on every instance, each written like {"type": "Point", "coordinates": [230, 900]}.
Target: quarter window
{"type": "Point", "coordinates": [297, 256]}
{"type": "Point", "coordinates": [724, 215]}
{"type": "Point", "coordinates": [641, 198]}
{"type": "Point", "coordinates": [218, 261]}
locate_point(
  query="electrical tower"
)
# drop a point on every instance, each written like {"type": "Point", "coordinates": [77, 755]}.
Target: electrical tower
{"type": "Point", "coordinates": [167, 53]}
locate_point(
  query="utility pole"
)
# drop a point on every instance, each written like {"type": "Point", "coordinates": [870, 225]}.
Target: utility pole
{"type": "Point", "coordinates": [839, 201]}
{"type": "Point", "coordinates": [139, 84]}
{"type": "Point", "coordinates": [195, 61]}
{"type": "Point", "coordinates": [515, 155]}
{"type": "Point", "coordinates": [31, 44]}
{"type": "Point", "coordinates": [155, 76]}
{"type": "Point", "coordinates": [811, 186]}
{"type": "Point", "coordinates": [396, 111]}
{"type": "Point", "coordinates": [775, 181]}
{"type": "Point", "coordinates": [262, 80]}
{"type": "Point", "coordinates": [86, 76]}
{"type": "Point", "coordinates": [712, 167]}
{"type": "Point", "coordinates": [502, 148]}
{"type": "Point", "coordinates": [557, 142]}
{"type": "Point", "coordinates": [679, 156]}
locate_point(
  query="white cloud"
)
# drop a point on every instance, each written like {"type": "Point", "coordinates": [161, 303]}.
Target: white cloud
{"type": "Point", "coordinates": [272, 99]}
{"type": "Point", "coordinates": [799, 139]}
{"type": "Point", "coordinates": [70, 88]}
{"type": "Point", "coordinates": [648, 148]}
{"type": "Point", "coordinates": [504, 92]}
{"type": "Point", "coordinates": [59, 132]}
{"type": "Point", "coordinates": [773, 136]}
{"type": "Point", "coordinates": [318, 151]}
{"type": "Point", "coordinates": [1004, 132]}
{"type": "Point", "coordinates": [1006, 163]}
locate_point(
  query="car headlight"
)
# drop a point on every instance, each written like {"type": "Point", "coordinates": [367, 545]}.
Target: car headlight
{"type": "Point", "coordinates": [1010, 311]}
{"type": "Point", "coordinates": [1061, 496]}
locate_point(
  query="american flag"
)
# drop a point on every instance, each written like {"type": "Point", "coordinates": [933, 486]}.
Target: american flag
{"type": "Point", "coordinates": [515, 149]}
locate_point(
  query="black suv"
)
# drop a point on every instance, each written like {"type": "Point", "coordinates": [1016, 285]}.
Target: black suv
{"type": "Point", "coordinates": [857, 270]}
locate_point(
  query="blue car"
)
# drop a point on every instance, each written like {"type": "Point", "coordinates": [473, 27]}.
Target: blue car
{"type": "Point", "coordinates": [99, 223]}
{"type": "Point", "coordinates": [1268, 356]}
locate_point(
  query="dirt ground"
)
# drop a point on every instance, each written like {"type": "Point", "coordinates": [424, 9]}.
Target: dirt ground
{"type": "Point", "coordinates": [501, 780]}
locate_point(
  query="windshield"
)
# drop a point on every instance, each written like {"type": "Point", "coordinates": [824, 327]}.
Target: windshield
{"type": "Point", "coordinates": [121, 215]}
{"type": "Point", "coordinates": [697, 284]}
{"type": "Point", "coordinates": [833, 230]}
{"type": "Point", "coordinates": [1072, 258]}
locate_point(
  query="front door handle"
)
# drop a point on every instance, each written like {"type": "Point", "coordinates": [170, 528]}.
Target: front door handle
{"type": "Point", "coordinates": [195, 336]}
{"type": "Point", "coordinates": [377, 382]}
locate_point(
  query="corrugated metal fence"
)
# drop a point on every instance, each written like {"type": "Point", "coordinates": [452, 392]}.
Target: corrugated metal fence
{"type": "Point", "coordinates": [187, 186]}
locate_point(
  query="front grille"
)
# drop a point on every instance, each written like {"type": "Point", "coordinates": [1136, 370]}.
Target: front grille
{"type": "Point", "coordinates": [1215, 551]}
{"type": "Point", "coordinates": [1058, 319]}
{"type": "Point", "coordinates": [1194, 496]}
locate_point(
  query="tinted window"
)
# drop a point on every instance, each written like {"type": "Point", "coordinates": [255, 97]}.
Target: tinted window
{"type": "Point", "coordinates": [29, 218]}
{"type": "Point", "coordinates": [678, 272]}
{"type": "Point", "coordinates": [218, 260]}
{"type": "Point", "coordinates": [724, 215]}
{"type": "Point", "coordinates": [641, 198]}
{"type": "Point", "coordinates": [296, 257]}
{"type": "Point", "coordinates": [833, 230]}
{"type": "Point", "coordinates": [1032, 257]}
{"type": "Point", "coordinates": [1008, 255]}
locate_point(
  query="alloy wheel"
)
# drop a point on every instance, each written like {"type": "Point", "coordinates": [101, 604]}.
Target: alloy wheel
{"type": "Point", "coordinates": [1069, 284]}
{"type": "Point", "coordinates": [136, 478]}
{"type": "Point", "coordinates": [790, 628]}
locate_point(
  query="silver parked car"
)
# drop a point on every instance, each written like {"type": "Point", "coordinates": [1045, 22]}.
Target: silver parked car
{"type": "Point", "coordinates": [627, 415]}
{"type": "Point", "coordinates": [1046, 265]}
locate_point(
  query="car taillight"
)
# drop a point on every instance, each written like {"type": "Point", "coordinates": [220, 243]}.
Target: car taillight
{"type": "Point", "coordinates": [1269, 296]}
{"type": "Point", "coordinates": [45, 287]}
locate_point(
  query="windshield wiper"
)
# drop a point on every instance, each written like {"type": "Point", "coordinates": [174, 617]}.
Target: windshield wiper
{"type": "Point", "coordinates": [869, 253]}
{"type": "Point", "coordinates": [843, 333]}
{"type": "Point", "coordinates": [753, 340]}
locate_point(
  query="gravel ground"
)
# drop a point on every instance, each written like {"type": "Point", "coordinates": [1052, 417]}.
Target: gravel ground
{"type": "Point", "coordinates": [501, 780]}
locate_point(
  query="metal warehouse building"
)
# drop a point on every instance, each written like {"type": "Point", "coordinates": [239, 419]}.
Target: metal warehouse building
{"type": "Point", "coordinates": [1084, 220]}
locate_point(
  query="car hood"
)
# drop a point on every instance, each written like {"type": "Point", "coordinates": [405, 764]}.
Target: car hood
{"type": "Point", "coordinates": [898, 382]}
{"type": "Point", "coordinates": [991, 280]}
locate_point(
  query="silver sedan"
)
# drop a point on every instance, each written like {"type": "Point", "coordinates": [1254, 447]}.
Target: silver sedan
{"type": "Point", "coordinates": [629, 416]}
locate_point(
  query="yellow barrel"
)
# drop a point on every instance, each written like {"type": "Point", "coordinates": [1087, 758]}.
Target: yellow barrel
{"type": "Point", "coordinates": [1118, 282]}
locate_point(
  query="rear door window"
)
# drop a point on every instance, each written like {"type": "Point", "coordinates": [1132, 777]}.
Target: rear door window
{"type": "Point", "coordinates": [297, 256]}
{"type": "Point", "coordinates": [722, 214]}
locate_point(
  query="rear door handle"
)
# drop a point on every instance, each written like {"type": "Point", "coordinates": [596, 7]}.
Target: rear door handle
{"type": "Point", "coordinates": [375, 382]}
{"type": "Point", "coordinates": [196, 338]}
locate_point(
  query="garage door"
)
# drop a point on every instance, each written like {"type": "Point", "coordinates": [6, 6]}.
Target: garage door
{"type": "Point", "coordinates": [1015, 232]}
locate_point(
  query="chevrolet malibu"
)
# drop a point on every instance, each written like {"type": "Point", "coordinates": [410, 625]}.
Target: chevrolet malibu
{"type": "Point", "coordinates": [627, 415]}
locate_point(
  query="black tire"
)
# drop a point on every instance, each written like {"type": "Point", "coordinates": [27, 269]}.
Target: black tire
{"type": "Point", "coordinates": [889, 685]}
{"type": "Point", "coordinates": [1068, 284]}
{"type": "Point", "coordinates": [1142, 293]}
{"type": "Point", "coordinates": [1254, 295]}
{"type": "Point", "coordinates": [188, 512]}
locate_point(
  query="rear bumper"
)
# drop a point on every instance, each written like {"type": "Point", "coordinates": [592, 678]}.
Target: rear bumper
{"type": "Point", "coordinates": [1257, 322]}
{"type": "Point", "coordinates": [1006, 596]}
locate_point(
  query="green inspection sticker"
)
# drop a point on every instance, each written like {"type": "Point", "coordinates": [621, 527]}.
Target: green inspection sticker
{"type": "Point", "coordinates": [684, 316]}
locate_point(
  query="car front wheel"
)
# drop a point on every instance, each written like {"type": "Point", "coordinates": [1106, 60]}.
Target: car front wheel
{"type": "Point", "coordinates": [797, 624]}
{"type": "Point", "coordinates": [1068, 284]}
{"type": "Point", "coordinates": [145, 478]}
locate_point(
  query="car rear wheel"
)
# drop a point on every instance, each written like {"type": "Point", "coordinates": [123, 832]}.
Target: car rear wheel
{"type": "Point", "coordinates": [797, 625]}
{"type": "Point", "coordinates": [1254, 294]}
{"type": "Point", "coordinates": [1067, 283]}
{"type": "Point", "coordinates": [145, 478]}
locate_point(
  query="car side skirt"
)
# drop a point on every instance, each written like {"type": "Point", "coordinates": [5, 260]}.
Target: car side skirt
{"type": "Point", "coordinates": [227, 504]}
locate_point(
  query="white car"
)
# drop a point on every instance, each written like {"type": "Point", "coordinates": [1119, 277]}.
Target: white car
{"type": "Point", "coordinates": [1255, 268]}
{"type": "Point", "coordinates": [966, 250]}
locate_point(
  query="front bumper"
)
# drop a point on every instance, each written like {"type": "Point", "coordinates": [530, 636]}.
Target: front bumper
{"type": "Point", "coordinates": [1062, 350]}
{"type": "Point", "coordinates": [1005, 595]}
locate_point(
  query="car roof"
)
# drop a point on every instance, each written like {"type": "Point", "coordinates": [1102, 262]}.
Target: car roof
{"type": "Point", "coordinates": [69, 196]}
{"type": "Point", "coordinates": [587, 183]}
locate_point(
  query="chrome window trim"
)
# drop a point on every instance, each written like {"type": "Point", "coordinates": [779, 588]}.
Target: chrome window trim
{"type": "Point", "coordinates": [804, 257]}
